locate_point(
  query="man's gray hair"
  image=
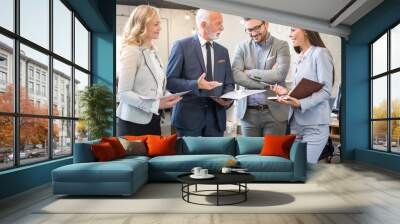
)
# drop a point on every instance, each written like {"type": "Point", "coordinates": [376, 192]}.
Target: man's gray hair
{"type": "Point", "coordinates": [201, 16]}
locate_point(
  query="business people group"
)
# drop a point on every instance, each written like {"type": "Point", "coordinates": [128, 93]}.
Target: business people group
{"type": "Point", "coordinates": [200, 65]}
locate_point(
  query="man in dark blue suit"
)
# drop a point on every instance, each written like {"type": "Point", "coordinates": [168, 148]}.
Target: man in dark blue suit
{"type": "Point", "coordinates": [201, 65]}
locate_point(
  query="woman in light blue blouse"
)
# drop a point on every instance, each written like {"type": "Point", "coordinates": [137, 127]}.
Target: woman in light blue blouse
{"type": "Point", "coordinates": [310, 117]}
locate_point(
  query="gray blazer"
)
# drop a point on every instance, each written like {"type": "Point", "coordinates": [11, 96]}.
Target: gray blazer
{"type": "Point", "coordinates": [316, 65]}
{"type": "Point", "coordinates": [137, 86]}
{"type": "Point", "coordinates": [245, 59]}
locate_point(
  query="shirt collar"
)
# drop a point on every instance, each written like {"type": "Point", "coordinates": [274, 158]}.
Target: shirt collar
{"type": "Point", "coordinates": [204, 41]}
{"type": "Point", "coordinates": [307, 53]}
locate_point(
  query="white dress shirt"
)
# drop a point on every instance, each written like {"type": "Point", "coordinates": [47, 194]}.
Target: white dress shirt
{"type": "Point", "coordinates": [204, 51]}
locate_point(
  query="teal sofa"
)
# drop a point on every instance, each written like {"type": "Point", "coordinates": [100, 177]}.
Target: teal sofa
{"type": "Point", "coordinates": [125, 176]}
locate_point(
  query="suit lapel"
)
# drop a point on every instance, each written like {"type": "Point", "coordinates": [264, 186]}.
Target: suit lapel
{"type": "Point", "coordinates": [148, 63]}
{"type": "Point", "coordinates": [216, 65]}
{"type": "Point", "coordinates": [199, 53]}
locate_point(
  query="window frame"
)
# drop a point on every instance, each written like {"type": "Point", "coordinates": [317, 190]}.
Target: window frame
{"type": "Point", "coordinates": [388, 74]}
{"type": "Point", "coordinates": [18, 40]}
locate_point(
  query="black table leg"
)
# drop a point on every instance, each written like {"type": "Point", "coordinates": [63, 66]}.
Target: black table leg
{"type": "Point", "coordinates": [217, 194]}
{"type": "Point", "coordinates": [245, 193]}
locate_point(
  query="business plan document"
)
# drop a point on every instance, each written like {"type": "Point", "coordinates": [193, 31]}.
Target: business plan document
{"type": "Point", "coordinates": [239, 94]}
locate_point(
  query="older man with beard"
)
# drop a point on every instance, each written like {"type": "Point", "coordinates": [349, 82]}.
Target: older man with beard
{"type": "Point", "coordinates": [201, 65]}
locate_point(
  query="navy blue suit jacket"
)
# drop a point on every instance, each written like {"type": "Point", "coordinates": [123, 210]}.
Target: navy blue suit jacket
{"type": "Point", "coordinates": [185, 66]}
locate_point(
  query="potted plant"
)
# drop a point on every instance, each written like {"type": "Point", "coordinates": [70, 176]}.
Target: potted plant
{"type": "Point", "coordinates": [97, 104]}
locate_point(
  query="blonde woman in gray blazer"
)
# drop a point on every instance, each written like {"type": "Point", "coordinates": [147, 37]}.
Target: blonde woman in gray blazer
{"type": "Point", "coordinates": [142, 80]}
{"type": "Point", "coordinates": [310, 117]}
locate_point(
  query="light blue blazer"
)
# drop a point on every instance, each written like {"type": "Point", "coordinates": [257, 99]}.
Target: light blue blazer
{"type": "Point", "coordinates": [316, 65]}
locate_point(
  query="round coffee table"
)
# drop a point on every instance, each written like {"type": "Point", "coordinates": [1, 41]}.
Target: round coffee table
{"type": "Point", "coordinates": [238, 179]}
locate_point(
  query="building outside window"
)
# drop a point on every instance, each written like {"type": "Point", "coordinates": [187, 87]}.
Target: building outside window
{"type": "Point", "coordinates": [3, 71]}
{"type": "Point", "coordinates": [34, 79]}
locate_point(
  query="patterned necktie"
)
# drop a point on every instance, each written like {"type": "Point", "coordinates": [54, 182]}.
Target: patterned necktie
{"type": "Point", "coordinates": [209, 76]}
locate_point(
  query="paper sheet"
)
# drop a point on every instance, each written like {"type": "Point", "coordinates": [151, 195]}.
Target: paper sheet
{"type": "Point", "coordinates": [239, 94]}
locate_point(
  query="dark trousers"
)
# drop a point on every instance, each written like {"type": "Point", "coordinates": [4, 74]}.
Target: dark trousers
{"type": "Point", "coordinates": [130, 128]}
{"type": "Point", "coordinates": [210, 128]}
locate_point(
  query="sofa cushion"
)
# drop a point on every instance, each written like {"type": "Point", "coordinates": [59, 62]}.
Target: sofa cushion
{"type": "Point", "coordinates": [207, 145]}
{"type": "Point", "coordinates": [249, 145]}
{"type": "Point", "coordinates": [257, 163]}
{"type": "Point", "coordinates": [161, 145]}
{"type": "Point", "coordinates": [275, 145]}
{"type": "Point", "coordinates": [112, 171]}
{"type": "Point", "coordinates": [103, 152]}
{"type": "Point", "coordinates": [116, 145]}
{"type": "Point", "coordinates": [134, 147]}
{"type": "Point", "coordinates": [185, 163]}
{"type": "Point", "coordinates": [83, 152]}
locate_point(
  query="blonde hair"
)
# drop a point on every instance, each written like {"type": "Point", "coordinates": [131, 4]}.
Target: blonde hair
{"type": "Point", "coordinates": [136, 28]}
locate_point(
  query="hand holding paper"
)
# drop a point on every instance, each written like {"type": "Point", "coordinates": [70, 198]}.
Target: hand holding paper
{"type": "Point", "coordinates": [169, 101]}
{"type": "Point", "coordinates": [202, 83]}
{"type": "Point", "coordinates": [239, 94]}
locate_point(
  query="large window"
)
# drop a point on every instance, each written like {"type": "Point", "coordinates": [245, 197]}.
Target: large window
{"type": "Point", "coordinates": [385, 93]}
{"type": "Point", "coordinates": [44, 64]}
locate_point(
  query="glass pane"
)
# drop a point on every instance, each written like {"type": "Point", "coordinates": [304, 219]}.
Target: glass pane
{"type": "Point", "coordinates": [395, 95]}
{"type": "Point", "coordinates": [379, 55]}
{"type": "Point", "coordinates": [379, 98]}
{"type": "Point", "coordinates": [379, 135]}
{"type": "Point", "coordinates": [62, 29]}
{"type": "Point", "coordinates": [35, 21]}
{"type": "Point", "coordinates": [7, 14]}
{"type": "Point", "coordinates": [34, 97]}
{"type": "Point", "coordinates": [62, 138]}
{"type": "Point", "coordinates": [81, 81]}
{"type": "Point", "coordinates": [395, 47]}
{"type": "Point", "coordinates": [33, 139]}
{"type": "Point", "coordinates": [6, 142]}
{"type": "Point", "coordinates": [6, 74]}
{"type": "Point", "coordinates": [81, 131]}
{"type": "Point", "coordinates": [62, 89]}
{"type": "Point", "coordinates": [81, 45]}
{"type": "Point", "coordinates": [395, 138]}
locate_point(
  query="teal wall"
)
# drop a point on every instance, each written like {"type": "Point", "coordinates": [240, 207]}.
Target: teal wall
{"type": "Point", "coordinates": [356, 99]}
{"type": "Point", "coordinates": [99, 16]}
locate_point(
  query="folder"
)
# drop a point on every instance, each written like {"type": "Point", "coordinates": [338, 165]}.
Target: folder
{"type": "Point", "coordinates": [305, 88]}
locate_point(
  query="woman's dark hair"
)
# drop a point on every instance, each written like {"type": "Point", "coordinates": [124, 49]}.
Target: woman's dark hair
{"type": "Point", "coordinates": [314, 38]}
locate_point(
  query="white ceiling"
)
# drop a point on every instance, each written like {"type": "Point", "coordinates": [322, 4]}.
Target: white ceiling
{"type": "Point", "coordinates": [319, 15]}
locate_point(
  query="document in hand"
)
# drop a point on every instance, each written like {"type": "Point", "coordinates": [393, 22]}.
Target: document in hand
{"type": "Point", "coordinates": [305, 88]}
{"type": "Point", "coordinates": [162, 97]}
{"type": "Point", "coordinates": [239, 94]}
{"type": "Point", "coordinates": [175, 94]}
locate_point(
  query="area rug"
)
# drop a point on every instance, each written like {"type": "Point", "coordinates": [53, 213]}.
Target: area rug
{"type": "Point", "coordinates": [167, 198]}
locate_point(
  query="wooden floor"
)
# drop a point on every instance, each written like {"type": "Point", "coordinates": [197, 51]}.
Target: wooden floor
{"type": "Point", "coordinates": [378, 189]}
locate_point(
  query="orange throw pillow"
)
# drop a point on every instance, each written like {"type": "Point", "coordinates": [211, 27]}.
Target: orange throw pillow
{"type": "Point", "coordinates": [103, 152]}
{"type": "Point", "coordinates": [161, 145]}
{"type": "Point", "coordinates": [135, 138]}
{"type": "Point", "coordinates": [116, 145]}
{"type": "Point", "coordinates": [277, 145]}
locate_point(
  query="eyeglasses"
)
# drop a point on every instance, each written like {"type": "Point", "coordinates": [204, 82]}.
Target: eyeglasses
{"type": "Point", "coordinates": [254, 29]}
